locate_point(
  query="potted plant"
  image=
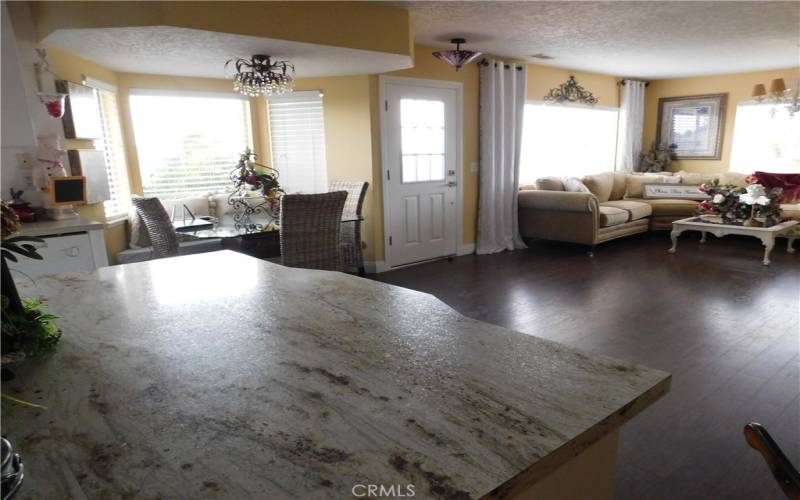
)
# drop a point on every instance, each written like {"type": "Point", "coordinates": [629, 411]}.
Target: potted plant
{"type": "Point", "coordinates": [27, 330]}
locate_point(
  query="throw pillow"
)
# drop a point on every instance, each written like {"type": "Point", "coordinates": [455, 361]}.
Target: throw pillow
{"type": "Point", "coordinates": [600, 185]}
{"type": "Point", "coordinates": [633, 186]}
{"type": "Point", "coordinates": [574, 185]}
{"type": "Point", "coordinates": [549, 184]}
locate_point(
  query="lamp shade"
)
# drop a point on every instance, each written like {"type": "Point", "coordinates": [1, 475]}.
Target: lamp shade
{"type": "Point", "coordinates": [778, 86]}
{"type": "Point", "coordinates": [457, 57]}
{"type": "Point", "coordinates": [759, 90]}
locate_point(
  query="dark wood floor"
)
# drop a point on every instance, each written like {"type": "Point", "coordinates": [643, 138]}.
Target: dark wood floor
{"type": "Point", "coordinates": [725, 326]}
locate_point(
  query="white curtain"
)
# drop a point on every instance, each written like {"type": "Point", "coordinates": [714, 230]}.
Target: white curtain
{"type": "Point", "coordinates": [502, 106]}
{"type": "Point", "coordinates": [631, 124]}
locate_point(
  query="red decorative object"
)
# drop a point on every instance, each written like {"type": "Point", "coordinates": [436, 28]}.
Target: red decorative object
{"type": "Point", "coordinates": [457, 57]}
{"type": "Point", "coordinates": [54, 104]}
{"type": "Point", "coordinates": [789, 184]}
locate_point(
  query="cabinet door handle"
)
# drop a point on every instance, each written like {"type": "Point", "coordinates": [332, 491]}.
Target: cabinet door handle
{"type": "Point", "coordinates": [73, 251]}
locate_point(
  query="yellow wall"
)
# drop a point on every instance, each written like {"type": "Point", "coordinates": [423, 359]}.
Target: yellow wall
{"type": "Point", "coordinates": [738, 86]}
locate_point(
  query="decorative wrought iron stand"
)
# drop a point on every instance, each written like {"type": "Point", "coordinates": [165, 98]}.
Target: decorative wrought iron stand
{"type": "Point", "coordinates": [256, 192]}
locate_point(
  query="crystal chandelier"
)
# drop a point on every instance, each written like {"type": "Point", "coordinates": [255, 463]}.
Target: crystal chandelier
{"type": "Point", "coordinates": [259, 75]}
{"type": "Point", "coordinates": [458, 57]}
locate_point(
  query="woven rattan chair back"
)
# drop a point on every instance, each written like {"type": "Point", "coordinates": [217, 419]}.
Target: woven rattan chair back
{"type": "Point", "coordinates": [352, 253]}
{"type": "Point", "coordinates": [310, 230]}
{"type": "Point", "coordinates": [159, 226]}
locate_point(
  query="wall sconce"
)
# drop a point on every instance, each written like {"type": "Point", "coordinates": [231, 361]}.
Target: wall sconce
{"type": "Point", "coordinates": [777, 95]}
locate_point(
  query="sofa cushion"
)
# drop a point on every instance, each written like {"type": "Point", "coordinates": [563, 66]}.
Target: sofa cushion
{"type": "Point", "coordinates": [600, 185]}
{"type": "Point", "coordinates": [550, 184]}
{"type": "Point", "coordinates": [792, 211]}
{"type": "Point", "coordinates": [672, 207]}
{"type": "Point", "coordinates": [635, 183]}
{"type": "Point", "coordinates": [696, 178]}
{"type": "Point", "coordinates": [618, 187]}
{"type": "Point", "coordinates": [636, 209]}
{"type": "Point", "coordinates": [574, 185]}
{"type": "Point", "coordinates": [610, 216]}
{"type": "Point", "coordinates": [734, 178]}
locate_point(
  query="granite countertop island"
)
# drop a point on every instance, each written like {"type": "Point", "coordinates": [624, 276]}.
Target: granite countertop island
{"type": "Point", "coordinates": [222, 376]}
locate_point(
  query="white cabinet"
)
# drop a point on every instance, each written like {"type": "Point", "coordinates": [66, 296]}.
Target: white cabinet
{"type": "Point", "coordinates": [69, 246]}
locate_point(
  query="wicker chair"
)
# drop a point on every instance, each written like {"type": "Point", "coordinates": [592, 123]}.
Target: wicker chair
{"type": "Point", "coordinates": [352, 254]}
{"type": "Point", "coordinates": [159, 226]}
{"type": "Point", "coordinates": [311, 229]}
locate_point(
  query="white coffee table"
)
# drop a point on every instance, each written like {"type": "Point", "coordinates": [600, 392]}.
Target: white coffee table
{"type": "Point", "coordinates": [767, 235]}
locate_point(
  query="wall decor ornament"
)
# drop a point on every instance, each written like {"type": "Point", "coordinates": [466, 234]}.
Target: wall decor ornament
{"type": "Point", "coordinates": [570, 91]}
{"type": "Point", "coordinates": [53, 102]}
{"type": "Point", "coordinates": [693, 125]}
{"type": "Point", "coordinates": [260, 75]}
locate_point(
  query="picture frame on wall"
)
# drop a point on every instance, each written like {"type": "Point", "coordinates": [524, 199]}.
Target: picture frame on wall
{"type": "Point", "coordinates": [694, 124]}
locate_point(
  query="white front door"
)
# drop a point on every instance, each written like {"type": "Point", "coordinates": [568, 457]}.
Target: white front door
{"type": "Point", "coordinates": [420, 163]}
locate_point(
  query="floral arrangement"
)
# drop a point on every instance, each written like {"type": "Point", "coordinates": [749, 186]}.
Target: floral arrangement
{"type": "Point", "coordinates": [257, 177]}
{"type": "Point", "coordinates": [737, 205]}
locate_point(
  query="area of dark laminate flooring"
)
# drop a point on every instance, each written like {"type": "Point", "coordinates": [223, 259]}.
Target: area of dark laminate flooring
{"type": "Point", "coordinates": [725, 326]}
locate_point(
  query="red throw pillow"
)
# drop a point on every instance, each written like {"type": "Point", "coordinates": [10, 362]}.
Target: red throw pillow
{"type": "Point", "coordinates": [789, 182]}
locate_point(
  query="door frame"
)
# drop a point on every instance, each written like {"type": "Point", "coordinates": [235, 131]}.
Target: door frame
{"type": "Point", "coordinates": [383, 80]}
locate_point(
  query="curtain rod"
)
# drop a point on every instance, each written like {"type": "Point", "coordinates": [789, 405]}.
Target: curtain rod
{"type": "Point", "coordinates": [622, 82]}
{"type": "Point", "coordinates": [485, 62]}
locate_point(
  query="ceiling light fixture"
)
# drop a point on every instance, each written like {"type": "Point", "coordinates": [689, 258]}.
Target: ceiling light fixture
{"type": "Point", "coordinates": [259, 75]}
{"type": "Point", "coordinates": [457, 57]}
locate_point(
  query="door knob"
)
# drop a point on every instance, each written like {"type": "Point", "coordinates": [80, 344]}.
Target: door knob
{"type": "Point", "coordinates": [451, 184]}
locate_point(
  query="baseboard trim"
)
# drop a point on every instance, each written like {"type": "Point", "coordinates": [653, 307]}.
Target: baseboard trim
{"type": "Point", "coordinates": [375, 266]}
{"type": "Point", "coordinates": [466, 249]}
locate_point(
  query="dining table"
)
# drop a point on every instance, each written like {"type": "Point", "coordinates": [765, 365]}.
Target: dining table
{"type": "Point", "coordinates": [261, 241]}
{"type": "Point", "coordinates": [219, 375]}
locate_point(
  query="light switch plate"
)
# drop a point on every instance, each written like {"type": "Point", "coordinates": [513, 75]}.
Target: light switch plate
{"type": "Point", "coordinates": [24, 160]}
{"type": "Point", "coordinates": [474, 166]}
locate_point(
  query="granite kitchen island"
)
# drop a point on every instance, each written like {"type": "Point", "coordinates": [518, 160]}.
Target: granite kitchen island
{"type": "Point", "coordinates": [222, 376]}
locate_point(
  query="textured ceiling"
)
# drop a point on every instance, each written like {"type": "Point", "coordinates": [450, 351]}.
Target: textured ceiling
{"type": "Point", "coordinates": [166, 50]}
{"type": "Point", "coordinates": [633, 39]}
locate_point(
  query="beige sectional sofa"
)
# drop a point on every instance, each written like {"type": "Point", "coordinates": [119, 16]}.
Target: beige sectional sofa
{"type": "Point", "coordinates": [613, 208]}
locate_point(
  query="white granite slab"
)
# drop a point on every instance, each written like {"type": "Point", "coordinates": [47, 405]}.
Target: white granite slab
{"type": "Point", "coordinates": [222, 376]}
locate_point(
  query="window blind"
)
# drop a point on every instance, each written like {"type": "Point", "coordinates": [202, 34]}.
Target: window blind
{"type": "Point", "coordinates": [113, 149]}
{"type": "Point", "coordinates": [297, 134]}
{"type": "Point", "coordinates": [567, 141]}
{"type": "Point", "coordinates": [188, 144]}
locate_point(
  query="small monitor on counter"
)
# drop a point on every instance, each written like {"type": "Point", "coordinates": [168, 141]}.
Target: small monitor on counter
{"type": "Point", "coordinates": [69, 190]}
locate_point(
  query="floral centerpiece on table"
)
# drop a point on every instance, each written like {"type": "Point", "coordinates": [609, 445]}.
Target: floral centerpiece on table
{"type": "Point", "coordinates": [751, 205]}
